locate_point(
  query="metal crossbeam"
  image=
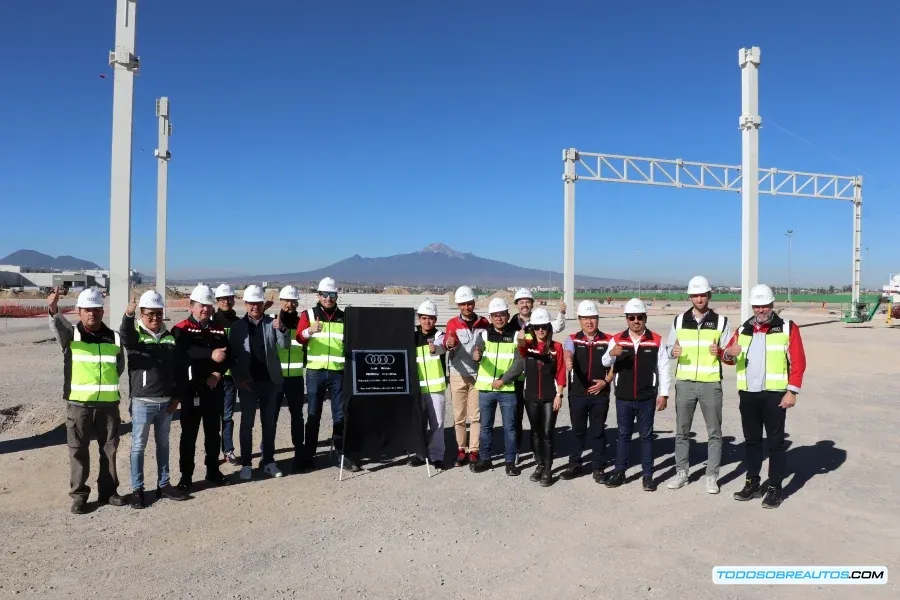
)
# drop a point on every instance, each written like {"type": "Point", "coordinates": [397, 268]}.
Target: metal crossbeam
{"type": "Point", "coordinates": [680, 173]}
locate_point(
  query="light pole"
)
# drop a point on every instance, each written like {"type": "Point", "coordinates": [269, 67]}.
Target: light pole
{"type": "Point", "coordinates": [790, 237]}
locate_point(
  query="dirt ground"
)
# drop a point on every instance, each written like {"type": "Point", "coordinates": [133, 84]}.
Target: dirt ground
{"type": "Point", "coordinates": [391, 532]}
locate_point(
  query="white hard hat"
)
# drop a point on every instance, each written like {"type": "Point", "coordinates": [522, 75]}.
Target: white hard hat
{"type": "Point", "coordinates": [151, 299]}
{"type": "Point", "coordinates": [761, 295]}
{"type": "Point", "coordinates": [587, 308]}
{"type": "Point", "coordinates": [427, 308]}
{"type": "Point", "coordinates": [523, 293]}
{"type": "Point", "coordinates": [203, 294]}
{"type": "Point", "coordinates": [464, 294]}
{"type": "Point", "coordinates": [289, 292]}
{"type": "Point", "coordinates": [224, 290]}
{"type": "Point", "coordinates": [90, 298]}
{"type": "Point", "coordinates": [635, 307]}
{"type": "Point", "coordinates": [698, 285]}
{"type": "Point", "coordinates": [540, 316]}
{"type": "Point", "coordinates": [254, 293]}
{"type": "Point", "coordinates": [327, 285]}
{"type": "Point", "coordinates": [498, 305]}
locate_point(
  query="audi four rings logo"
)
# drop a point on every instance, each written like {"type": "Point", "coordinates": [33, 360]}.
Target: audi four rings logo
{"type": "Point", "coordinates": [380, 359]}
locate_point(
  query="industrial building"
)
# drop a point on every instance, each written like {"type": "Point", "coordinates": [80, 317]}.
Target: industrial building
{"type": "Point", "coordinates": [17, 276]}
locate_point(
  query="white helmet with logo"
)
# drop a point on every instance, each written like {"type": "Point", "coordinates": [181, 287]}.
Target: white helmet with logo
{"type": "Point", "coordinates": [635, 307]}
{"type": "Point", "coordinates": [151, 299]}
{"type": "Point", "coordinates": [224, 291]}
{"type": "Point", "coordinates": [90, 298]}
{"type": "Point", "coordinates": [254, 293]}
{"type": "Point", "coordinates": [698, 285]}
{"type": "Point", "coordinates": [202, 294]}
{"type": "Point", "coordinates": [498, 305]}
{"type": "Point", "coordinates": [587, 308]}
{"type": "Point", "coordinates": [289, 292]}
{"type": "Point", "coordinates": [523, 293]}
{"type": "Point", "coordinates": [464, 294]}
{"type": "Point", "coordinates": [540, 316]}
{"type": "Point", "coordinates": [327, 285]}
{"type": "Point", "coordinates": [761, 295]}
{"type": "Point", "coordinates": [427, 308]}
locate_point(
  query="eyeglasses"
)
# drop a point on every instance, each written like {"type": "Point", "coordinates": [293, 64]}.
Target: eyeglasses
{"type": "Point", "coordinates": [332, 295]}
{"type": "Point", "coordinates": [153, 314]}
{"type": "Point", "coordinates": [637, 317]}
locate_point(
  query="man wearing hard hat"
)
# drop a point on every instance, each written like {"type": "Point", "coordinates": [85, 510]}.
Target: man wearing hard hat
{"type": "Point", "coordinates": [432, 382]}
{"type": "Point", "coordinates": [771, 361]}
{"type": "Point", "coordinates": [92, 364]}
{"type": "Point", "coordinates": [524, 301]}
{"type": "Point", "coordinates": [226, 316]}
{"type": "Point", "coordinates": [496, 353]}
{"type": "Point", "coordinates": [461, 334]}
{"type": "Point", "coordinates": [203, 359]}
{"type": "Point", "coordinates": [292, 366]}
{"type": "Point", "coordinates": [321, 330]}
{"type": "Point", "coordinates": [589, 387]}
{"type": "Point", "coordinates": [255, 339]}
{"type": "Point", "coordinates": [696, 340]}
{"type": "Point", "coordinates": [151, 373]}
{"type": "Point", "coordinates": [640, 365]}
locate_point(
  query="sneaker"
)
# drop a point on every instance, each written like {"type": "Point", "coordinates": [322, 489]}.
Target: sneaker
{"type": "Point", "coordinates": [351, 466]}
{"type": "Point", "coordinates": [712, 484]}
{"type": "Point", "coordinates": [272, 470]}
{"type": "Point", "coordinates": [571, 472]}
{"type": "Point", "coordinates": [751, 490]}
{"type": "Point", "coordinates": [216, 477]}
{"type": "Point", "coordinates": [185, 484]}
{"type": "Point", "coordinates": [230, 458]}
{"type": "Point", "coordinates": [170, 492]}
{"type": "Point", "coordinates": [473, 462]}
{"type": "Point", "coordinates": [246, 473]}
{"type": "Point", "coordinates": [137, 499]}
{"type": "Point", "coordinates": [600, 476]}
{"type": "Point", "coordinates": [512, 470]}
{"type": "Point", "coordinates": [648, 483]}
{"type": "Point", "coordinates": [681, 480]}
{"type": "Point", "coordinates": [538, 472]}
{"type": "Point", "coordinates": [773, 497]}
{"type": "Point", "coordinates": [79, 506]}
{"type": "Point", "coordinates": [481, 466]}
{"type": "Point", "coordinates": [415, 461]}
{"type": "Point", "coordinates": [615, 479]}
{"type": "Point", "coordinates": [460, 457]}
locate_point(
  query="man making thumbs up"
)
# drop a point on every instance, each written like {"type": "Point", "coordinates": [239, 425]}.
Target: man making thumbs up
{"type": "Point", "coordinates": [695, 340]}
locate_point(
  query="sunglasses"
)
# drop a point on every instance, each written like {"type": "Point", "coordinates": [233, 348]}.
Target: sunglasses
{"type": "Point", "coordinates": [332, 295]}
{"type": "Point", "coordinates": [541, 327]}
{"type": "Point", "coordinates": [637, 317]}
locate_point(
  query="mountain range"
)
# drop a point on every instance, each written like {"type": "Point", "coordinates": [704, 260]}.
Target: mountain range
{"type": "Point", "coordinates": [39, 260]}
{"type": "Point", "coordinates": [436, 264]}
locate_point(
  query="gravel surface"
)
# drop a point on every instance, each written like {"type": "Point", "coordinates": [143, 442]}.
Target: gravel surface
{"type": "Point", "coordinates": [395, 533]}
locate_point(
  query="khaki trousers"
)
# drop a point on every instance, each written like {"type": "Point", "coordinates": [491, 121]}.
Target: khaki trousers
{"type": "Point", "coordinates": [465, 404]}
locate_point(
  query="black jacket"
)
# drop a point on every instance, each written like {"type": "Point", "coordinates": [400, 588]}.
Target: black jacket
{"type": "Point", "coordinates": [195, 346]}
{"type": "Point", "coordinates": [151, 363]}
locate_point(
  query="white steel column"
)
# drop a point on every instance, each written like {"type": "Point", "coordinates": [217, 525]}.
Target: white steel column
{"type": "Point", "coordinates": [125, 64]}
{"type": "Point", "coordinates": [748, 58]}
{"type": "Point", "coordinates": [857, 242]}
{"type": "Point", "coordinates": [570, 155]}
{"type": "Point", "coordinates": [162, 185]}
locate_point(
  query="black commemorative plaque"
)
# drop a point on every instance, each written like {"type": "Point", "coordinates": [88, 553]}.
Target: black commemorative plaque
{"type": "Point", "coordinates": [380, 372]}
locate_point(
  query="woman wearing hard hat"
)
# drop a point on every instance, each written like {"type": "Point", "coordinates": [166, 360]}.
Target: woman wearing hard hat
{"type": "Point", "coordinates": [545, 379]}
{"type": "Point", "coordinates": [640, 363]}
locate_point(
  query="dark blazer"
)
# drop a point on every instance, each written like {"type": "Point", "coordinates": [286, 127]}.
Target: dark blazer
{"type": "Point", "coordinates": [239, 338]}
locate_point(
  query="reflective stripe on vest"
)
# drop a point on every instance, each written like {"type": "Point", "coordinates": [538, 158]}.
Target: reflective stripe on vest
{"type": "Point", "coordinates": [695, 362]}
{"type": "Point", "coordinates": [325, 349]}
{"type": "Point", "coordinates": [146, 338]}
{"type": "Point", "coordinates": [776, 370]}
{"type": "Point", "coordinates": [292, 357]}
{"type": "Point", "coordinates": [94, 376]}
{"type": "Point", "coordinates": [430, 371]}
{"type": "Point", "coordinates": [496, 360]}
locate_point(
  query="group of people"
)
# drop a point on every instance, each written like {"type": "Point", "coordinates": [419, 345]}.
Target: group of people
{"type": "Point", "coordinates": [213, 359]}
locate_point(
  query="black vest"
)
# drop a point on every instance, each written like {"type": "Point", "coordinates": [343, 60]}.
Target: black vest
{"type": "Point", "coordinates": [540, 373]}
{"type": "Point", "coordinates": [587, 363]}
{"type": "Point", "coordinates": [636, 377]}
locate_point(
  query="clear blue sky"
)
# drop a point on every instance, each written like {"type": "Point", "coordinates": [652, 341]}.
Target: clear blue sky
{"type": "Point", "coordinates": [307, 132]}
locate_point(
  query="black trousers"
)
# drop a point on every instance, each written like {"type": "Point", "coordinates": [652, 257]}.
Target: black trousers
{"type": "Point", "coordinates": [760, 410]}
{"type": "Point", "coordinates": [588, 414]}
{"type": "Point", "coordinates": [520, 413]}
{"type": "Point", "coordinates": [294, 393]}
{"type": "Point", "coordinates": [543, 421]}
{"type": "Point", "coordinates": [207, 406]}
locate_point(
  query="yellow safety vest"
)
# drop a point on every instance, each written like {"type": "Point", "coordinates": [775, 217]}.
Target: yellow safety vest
{"type": "Point", "coordinates": [325, 349]}
{"type": "Point", "coordinates": [292, 357]}
{"type": "Point", "coordinates": [430, 370]}
{"type": "Point", "coordinates": [776, 372]}
{"type": "Point", "coordinates": [695, 362]}
{"type": "Point", "coordinates": [94, 376]}
{"type": "Point", "coordinates": [496, 359]}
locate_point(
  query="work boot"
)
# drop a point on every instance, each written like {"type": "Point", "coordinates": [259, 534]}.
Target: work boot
{"type": "Point", "coordinates": [648, 483]}
{"type": "Point", "coordinates": [773, 497]}
{"type": "Point", "coordinates": [547, 475]}
{"type": "Point", "coordinates": [79, 506]}
{"type": "Point", "coordinates": [600, 476]}
{"type": "Point", "coordinates": [681, 480]}
{"type": "Point", "coordinates": [538, 472]}
{"type": "Point", "coordinates": [512, 470]}
{"type": "Point", "coordinates": [460, 457]}
{"type": "Point", "coordinates": [751, 490]}
{"type": "Point", "coordinates": [481, 466]}
{"type": "Point", "coordinates": [137, 499]}
{"type": "Point", "coordinates": [113, 500]}
{"type": "Point", "coordinates": [615, 479]}
{"type": "Point", "coordinates": [170, 492]}
{"type": "Point", "coordinates": [571, 472]}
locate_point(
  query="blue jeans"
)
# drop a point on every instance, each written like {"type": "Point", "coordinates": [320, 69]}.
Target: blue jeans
{"type": "Point", "coordinates": [143, 415]}
{"type": "Point", "coordinates": [487, 405]}
{"type": "Point", "coordinates": [317, 382]}
{"type": "Point", "coordinates": [228, 415]}
{"type": "Point", "coordinates": [263, 396]}
{"type": "Point", "coordinates": [626, 412]}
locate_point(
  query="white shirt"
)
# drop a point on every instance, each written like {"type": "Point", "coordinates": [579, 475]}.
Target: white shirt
{"type": "Point", "coordinates": [663, 373]}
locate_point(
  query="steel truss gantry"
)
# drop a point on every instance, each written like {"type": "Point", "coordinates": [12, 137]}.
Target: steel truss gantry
{"type": "Point", "coordinates": [710, 176]}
